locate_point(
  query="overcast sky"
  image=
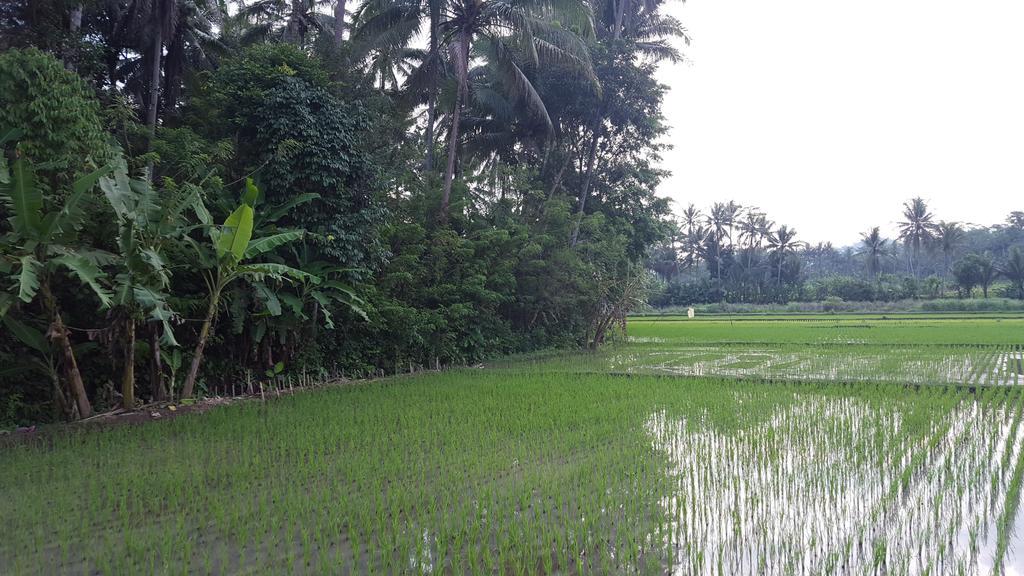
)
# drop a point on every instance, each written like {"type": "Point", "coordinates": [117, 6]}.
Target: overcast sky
{"type": "Point", "coordinates": [829, 114]}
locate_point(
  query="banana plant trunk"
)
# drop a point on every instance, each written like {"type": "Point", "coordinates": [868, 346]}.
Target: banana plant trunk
{"type": "Point", "coordinates": [128, 373]}
{"type": "Point", "coordinates": [156, 369]}
{"type": "Point", "coordinates": [197, 355]}
{"type": "Point", "coordinates": [59, 335]}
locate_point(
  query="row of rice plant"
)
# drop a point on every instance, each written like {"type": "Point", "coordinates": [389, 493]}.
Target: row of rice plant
{"type": "Point", "coordinates": [531, 472]}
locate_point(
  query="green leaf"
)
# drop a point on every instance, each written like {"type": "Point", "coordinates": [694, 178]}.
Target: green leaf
{"type": "Point", "coordinates": [28, 279]}
{"type": "Point", "coordinates": [283, 209]}
{"type": "Point", "coordinates": [268, 297]}
{"type": "Point", "coordinates": [71, 214]}
{"type": "Point", "coordinates": [199, 207]}
{"type": "Point", "coordinates": [9, 134]}
{"type": "Point", "coordinates": [26, 334]}
{"type": "Point", "coordinates": [276, 271]}
{"type": "Point", "coordinates": [268, 243]}
{"type": "Point", "coordinates": [88, 273]}
{"type": "Point", "coordinates": [25, 198]}
{"type": "Point", "coordinates": [294, 303]}
{"type": "Point", "coordinates": [251, 194]}
{"type": "Point", "coordinates": [236, 233]}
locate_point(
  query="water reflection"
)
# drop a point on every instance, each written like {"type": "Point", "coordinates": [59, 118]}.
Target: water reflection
{"type": "Point", "coordinates": [827, 486]}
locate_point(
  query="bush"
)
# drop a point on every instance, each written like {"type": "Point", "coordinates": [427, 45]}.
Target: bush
{"type": "Point", "coordinates": [55, 110]}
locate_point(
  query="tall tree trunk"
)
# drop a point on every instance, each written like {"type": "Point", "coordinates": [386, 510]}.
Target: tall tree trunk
{"type": "Point", "coordinates": [620, 12]}
{"type": "Point", "coordinates": [591, 160]}
{"type": "Point", "coordinates": [154, 90]}
{"type": "Point", "coordinates": [435, 22]}
{"type": "Point", "coordinates": [156, 369]}
{"type": "Point", "coordinates": [128, 374]}
{"type": "Point", "coordinates": [461, 50]}
{"type": "Point", "coordinates": [197, 355]}
{"type": "Point", "coordinates": [339, 22]}
{"type": "Point", "coordinates": [59, 335]}
{"type": "Point", "coordinates": [74, 25]}
{"type": "Point", "coordinates": [292, 31]}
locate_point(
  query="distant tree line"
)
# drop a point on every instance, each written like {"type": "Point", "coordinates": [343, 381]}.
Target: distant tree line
{"type": "Point", "coordinates": [734, 253]}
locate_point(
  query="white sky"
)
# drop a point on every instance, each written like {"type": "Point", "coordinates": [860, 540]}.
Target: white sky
{"type": "Point", "coordinates": [829, 114]}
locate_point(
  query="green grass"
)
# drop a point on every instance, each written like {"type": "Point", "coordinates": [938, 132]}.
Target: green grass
{"type": "Point", "coordinates": [607, 463]}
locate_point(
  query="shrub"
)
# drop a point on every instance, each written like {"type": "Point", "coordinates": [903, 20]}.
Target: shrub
{"type": "Point", "coordinates": [56, 111]}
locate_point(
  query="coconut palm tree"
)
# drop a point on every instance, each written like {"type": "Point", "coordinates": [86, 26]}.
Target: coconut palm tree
{"type": "Point", "coordinates": [1013, 270]}
{"type": "Point", "coordinates": [289, 20]}
{"type": "Point", "coordinates": [782, 243]}
{"type": "Point", "coordinates": [874, 248]}
{"type": "Point", "coordinates": [916, 229]}
{"type": "Point", "coordinates": [949, 236]}
{"type": "Point", "coordinates": [721, 221]}
{"type": "Point", "coordinates": [511, 35]}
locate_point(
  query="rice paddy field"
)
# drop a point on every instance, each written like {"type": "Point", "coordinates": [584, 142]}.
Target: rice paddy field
{"type": "Point", "coordinates": [767, 445]}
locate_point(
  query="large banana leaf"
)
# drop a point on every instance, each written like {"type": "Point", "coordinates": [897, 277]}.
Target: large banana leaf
{"type": "Point", "coordinates": [28, 279]}
{"type": "Point", "coordinates": [70, 216]}
{"type": "Point", "coordinates": [268, 243]}
{"type": "Point", "coordinates": [264, 270]}
{"type": "Point", "coordinates": [236, 233]}
{"type": "Point", "coordinates": [88, 272]}
{"type": "Point", "coordinates": [279, 211]}
{"type": "Point", "coordinates": [25, 199]}
{"type": "Point", "coordinates": [26, 334]}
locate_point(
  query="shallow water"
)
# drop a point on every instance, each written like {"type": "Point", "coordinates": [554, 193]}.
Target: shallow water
{"type": "Point", "coordinates": [830, 485]}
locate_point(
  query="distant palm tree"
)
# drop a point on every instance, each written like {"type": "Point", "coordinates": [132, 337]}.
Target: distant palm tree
{"type": "Point", "coordinates": [916, 229]}
{"type": "Point", "coordinates": [949, 236]}
{"type": "Point", "coordinates": [874, 249]}
{"type": "Point", "coordinates": [782, 243]}
{"type": "Point", "coordinates": [1013, 270]}
{"type": "Point", "coordinates": [691, 218]}
{"type": "Point", "coordinates": [754, 228]}
{"type": "Point", "coordinates": [721, 221]}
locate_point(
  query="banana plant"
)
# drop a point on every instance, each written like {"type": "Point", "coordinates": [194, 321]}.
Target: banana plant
{"type": "Point", "coordinates": [43, 246]}
{"type": "Point", "coordinates": [228, 257]}
{"type": "Point", "coordinates": [292, 313]}
{"type": "Point", "coordinates": [148, 225]}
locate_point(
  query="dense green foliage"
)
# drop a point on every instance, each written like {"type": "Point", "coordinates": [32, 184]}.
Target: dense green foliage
{"type": "Point", "coordinates": [409, 208]}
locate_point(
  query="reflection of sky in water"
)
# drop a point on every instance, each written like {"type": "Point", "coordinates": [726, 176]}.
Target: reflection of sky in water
{"type": "Point", "coordinates": [852, 362]}
{"type": "Point", "coordinates": [818, 485]}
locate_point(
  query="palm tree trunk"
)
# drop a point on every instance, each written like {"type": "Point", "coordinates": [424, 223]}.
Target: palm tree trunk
{"type": "Point", "coordinates": [154, 90]}
{"type": "Point", "coordinates": [461, 49]}
{"type": "Point", "coordinates": [292, 32]}
{"type": "Point", "coordinates": [435, 21]}
{"type": "Point", "coordinates": [591, 161]}
{"type": "Point", "coordinates": [128, 374]}
{"type": "Point", "coordinates": [339, 22]}
{"type": "Point", "coordinates": [620, 12]}
{"type": "Point", "coordinates": [154, 80]}
{"type": "Point", "coordinates": [197, 354]}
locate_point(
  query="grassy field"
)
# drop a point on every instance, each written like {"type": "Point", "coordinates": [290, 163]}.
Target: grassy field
{"type": "Point", "coordinates": [728, 446]}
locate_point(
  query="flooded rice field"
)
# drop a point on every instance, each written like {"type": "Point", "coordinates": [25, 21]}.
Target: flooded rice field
{"type": "Point", "coordinates": [838, 447]}
{"type": "Point", "coordinates": [840, 486]}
